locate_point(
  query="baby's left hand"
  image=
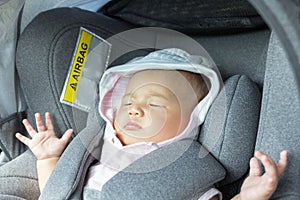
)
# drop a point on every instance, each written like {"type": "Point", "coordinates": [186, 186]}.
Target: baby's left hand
{"type": "Point", "coordinates": [261, 186]}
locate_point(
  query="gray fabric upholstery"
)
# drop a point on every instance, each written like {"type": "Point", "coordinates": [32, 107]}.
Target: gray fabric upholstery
{"type": "Point", "coordinates": [280, 118]}
{"type": "Point", "coordinates": [3, 158]}
{"type": "Point", "coordinates": [280, 100]}
{"type": "Point", "coordinates": [34, 7]}
{"type": "Point", "coordinates": [55, 51]}
{"type": "Point", "coordinates": [18, 178]}
{"type": "Point", "coordinates": [8, 127]}
{"type": "Point", "coordinates": [243, 53]}
{"type": "Point", "coordinates": [11, 101]}
{"type": "Point", "coordinates": [196, 16]}
{"type": "Point", "coordinates": [187, 177]}
{"type": "Point", "coordinates": [10, 12]}
{"type": "Point", "coordinates": [9, 197]}
{"type": "Point", "coordinates": [230, 128]}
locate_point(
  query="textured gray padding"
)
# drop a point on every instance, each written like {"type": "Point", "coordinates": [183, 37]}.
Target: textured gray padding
{"type": "Point", "coordinates": [8, 143]}
{"type": "Point", "coordinates": [280, 118]}
{"type": "Point", "coordinates": [18, 178]}
{"type": "Point", "coordinates": [44, 54]}
{"type": "Point", "coordinates": [196, 16]}
{"type": "Point", "coordinates": [10, 12]}
{"type": "Point", "coordinates": [187, 177]}
{"type": "Point", "coordinates": [244, 53]}
{"type": "Point", "coordinates": [230, 128]}
{"type": "Point", "coordinates": [46, 75]}
{"type": "Point", "coordinates": [11, 101]}
{"type": "Point", "coordinates": [10, 197]}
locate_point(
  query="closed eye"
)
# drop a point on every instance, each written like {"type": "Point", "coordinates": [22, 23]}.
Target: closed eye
{"type": "Point", "coordinates": [156, 105]}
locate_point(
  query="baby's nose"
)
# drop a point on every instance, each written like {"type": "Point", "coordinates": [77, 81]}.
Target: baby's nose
{"type": "Point", "coordinates": [135, 111]}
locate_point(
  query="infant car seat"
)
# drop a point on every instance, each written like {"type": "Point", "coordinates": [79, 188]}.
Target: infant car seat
{"type": "Point", "coordinates": [264, 64]}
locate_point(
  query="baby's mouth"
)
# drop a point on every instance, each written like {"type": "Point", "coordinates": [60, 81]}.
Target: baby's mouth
{"type": "Point", "coordinates": [132, 126]}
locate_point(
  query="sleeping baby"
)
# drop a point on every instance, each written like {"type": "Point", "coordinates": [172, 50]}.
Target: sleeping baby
{"type": "Point", "coordinates": [148, 104]}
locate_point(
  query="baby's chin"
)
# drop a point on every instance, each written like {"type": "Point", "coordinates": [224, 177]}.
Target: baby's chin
{"type": "Point", "coordinates": [129, 139]}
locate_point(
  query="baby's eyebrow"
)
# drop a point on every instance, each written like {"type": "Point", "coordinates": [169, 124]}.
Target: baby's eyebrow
{"type": "Point", "coordinates": [126, 95]}
{"type": "Point", "coordinates": [152, 94]}
{"type": "Point", "coordinates": [159, 96]}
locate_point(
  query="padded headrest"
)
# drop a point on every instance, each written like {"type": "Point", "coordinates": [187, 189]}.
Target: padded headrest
{"type": "Point", "coordinates": [196, 16]}
{"type": "Point", "coordinates": [230, 128]}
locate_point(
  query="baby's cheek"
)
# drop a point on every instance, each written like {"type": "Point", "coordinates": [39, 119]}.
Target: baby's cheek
{"type": "Point", "coordinates": [156, 119]}
{"type": "Point", "coordinates": [119, 120]}
{"type": "Point", "coordinates": [175, 123]}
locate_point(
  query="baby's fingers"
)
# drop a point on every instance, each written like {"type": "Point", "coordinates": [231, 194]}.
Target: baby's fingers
{"type": "Point", "coordinates": [282, 163]}
{"type": "Point", "coordinates": [49, 121]}
{"type": "Point", "coordinates": [254, 167]}
{"type": "Point", "coordinates": [39, 122]}
{"type": "Point", "coordinates": [23, 139]}
{"type": "Point", "coordinates": [29, 128]}
{"type": "Point", "coordinates": [268, 163]}
{"type": "Point", "coordinates": [67, 136]}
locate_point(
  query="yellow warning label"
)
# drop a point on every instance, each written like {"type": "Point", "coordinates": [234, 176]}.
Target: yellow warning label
{"type": "Point", "coordinates": [78, 63]}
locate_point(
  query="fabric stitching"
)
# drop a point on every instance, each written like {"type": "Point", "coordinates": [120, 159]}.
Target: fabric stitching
{"type": "Point", "coordinates": [14, 176]}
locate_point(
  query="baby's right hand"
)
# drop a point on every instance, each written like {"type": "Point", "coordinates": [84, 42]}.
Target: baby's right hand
{"type": "Point", "coordinates": [260, 185]}
{"type": "Point", "coordinates": [44, 143]}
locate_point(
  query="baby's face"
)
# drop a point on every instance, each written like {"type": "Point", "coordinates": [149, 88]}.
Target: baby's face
{"type": "Point", "coordinates": [152, 109]}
